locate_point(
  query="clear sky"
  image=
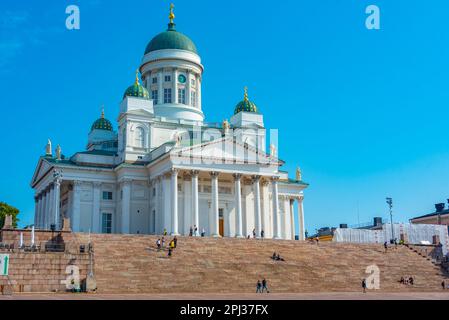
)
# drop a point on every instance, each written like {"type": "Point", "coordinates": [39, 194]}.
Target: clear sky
{"type": "Point", "coordinates": [364, 113]}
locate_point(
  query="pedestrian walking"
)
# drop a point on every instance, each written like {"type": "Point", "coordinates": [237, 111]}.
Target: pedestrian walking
{"type": "Point", "coordinates": [364, 285]}
{"type": "Point", "coordinates": [264, 285]}
{"type": "Point", "coordinates": [259, 287]}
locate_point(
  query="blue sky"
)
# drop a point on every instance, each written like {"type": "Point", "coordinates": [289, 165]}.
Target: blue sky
{"type": "Point", "coordinates": [363, 112]}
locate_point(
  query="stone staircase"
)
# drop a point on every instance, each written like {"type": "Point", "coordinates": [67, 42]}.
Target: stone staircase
{"type": "Point", "coordinates": [131, 264]}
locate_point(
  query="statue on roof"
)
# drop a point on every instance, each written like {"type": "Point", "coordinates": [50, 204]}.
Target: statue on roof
{"type": "Point", "coordinates": [48, 151]}
{"type": "Point", "coordinates": [272, 150]}
{"type": "Point", "coordinates": [298, 174]}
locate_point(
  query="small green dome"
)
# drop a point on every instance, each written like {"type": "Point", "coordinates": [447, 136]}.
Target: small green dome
{"type": "Point", "coordinates": [102, 123]}
{"type": "Point", "coordinates": [171, 39]}
{"type": "Point", "coordinates": [245, 105]}
{"type": "Point", "coordinates": [137, 90]}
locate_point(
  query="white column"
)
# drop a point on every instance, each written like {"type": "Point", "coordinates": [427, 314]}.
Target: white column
{"type": "Point", "coordinates": [292, 214]}
{"type": "Point", "coordinates": [76, 207]}
{"type": "Point", "coordinates": [286, 227]}
{"type": "Point", "coordinates": [215, 232]}
{"type": "Point", "coordinates": [301, 218]}
{"type": "Point", "coordinates": [257, 211]}
{"type": "Point", "coordinates": [266, 221]}
{"type": "Point", "coordinates": [160, 85]}
{"type": "Point", "coordinates": [238, 205]}
{"type": "Point", "coordinates": [175, 85]}
{"type": "Point", "coordinates": [57, 198]}
{"type": "Point", "coordinates": [96, 208]}
{"type": "Point", "coordinates": [198, 91]}
{"type": "Point", "coordinates": [46, 205]}
{"type": "Point", "coordinates": [41, 212]}
{"type": "Point", "coordinates": [51, 195]}
{"type": "Point", "coordinates": [174, 201]}
{"type": "Point", "coordinates": [188, 88]}
{"type": "Point", "coordinates": [188, 219]}
{"type": "Point", "coordinates": [126, 205]}
{"type": "Point", "coordinates": [195, 206]}
{"type": "Point", "coordinates": [36, 211]}
{"type": "Point", "coordinates": [276, 224]}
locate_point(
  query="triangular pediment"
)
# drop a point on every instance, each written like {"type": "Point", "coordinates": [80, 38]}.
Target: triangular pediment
{"type": "Point", "coordinates": [226, 150]}
{"type": "Point", "coordinates": [41, 170]}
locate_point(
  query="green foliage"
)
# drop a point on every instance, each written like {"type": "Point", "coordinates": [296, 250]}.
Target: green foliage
{"type": "Point", "coordinates": [6, 209]}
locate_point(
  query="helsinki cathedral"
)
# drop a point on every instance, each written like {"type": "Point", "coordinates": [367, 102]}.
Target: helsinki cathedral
{"type": "Point", "coordinates": [165, 168]}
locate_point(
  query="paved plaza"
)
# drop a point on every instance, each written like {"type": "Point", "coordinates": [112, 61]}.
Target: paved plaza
{"type": "Point", "coordinates": [238, 296]}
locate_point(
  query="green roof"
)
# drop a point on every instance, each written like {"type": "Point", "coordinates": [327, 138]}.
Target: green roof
{"type": "Point", "coordinates": [138, 91]}
{"type": "Point", "coordinates": [102, 124]}
{"type": "Point", "coordinates": [171, 39]}
{"type": "Point", "coordinates": [245, 105]}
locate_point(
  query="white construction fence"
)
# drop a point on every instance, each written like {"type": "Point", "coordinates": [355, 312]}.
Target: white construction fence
{"type": "Point", "coordinates": [414, 233]}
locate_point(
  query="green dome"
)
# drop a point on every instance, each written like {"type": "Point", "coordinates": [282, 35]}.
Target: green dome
{"type": "Point", "coordinates": [171, 39]}
{"type": "Point", "coordinates": [102, 124]}
{"type": "Point", "coordinates": [137, 90]}
{"type": "Point", "coordinates": [245, 105]}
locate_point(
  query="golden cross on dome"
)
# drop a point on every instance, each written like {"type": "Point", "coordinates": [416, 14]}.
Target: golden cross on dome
{"type": "Point", "coordinates": [245, 95]}
{"type": "Point", "coordinates": [171, 15]}
{"type": "Point", "coordinates": [102, 111]}
{"type": "Point", "coordinates": [137, 77]}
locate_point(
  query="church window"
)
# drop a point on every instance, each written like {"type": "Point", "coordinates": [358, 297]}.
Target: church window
{"type": "Point", "coordinates": [107, 195]}
{"type": "Point", "coordinates": [167, 78]}
{"type": "Point", "coordinates": [167, 95]}
{"type": "Point", "coordinates": [193, 99]}
{"type": "Point", "coordinates": [154, 96]}
{"type": "Point", "coordinates": [192, 82]}
{"type": "Point", "coordinates": [182, 96]}
{"type": "Point", "coordinates": [106, 226]}
{"type": "Point", "coordinates": [140, 138]}
{"type": "Point", "coordinates": [154, 80]}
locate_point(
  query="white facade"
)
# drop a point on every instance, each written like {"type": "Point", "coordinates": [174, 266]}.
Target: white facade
{"type": "Point", "coordinates": [168, 169]}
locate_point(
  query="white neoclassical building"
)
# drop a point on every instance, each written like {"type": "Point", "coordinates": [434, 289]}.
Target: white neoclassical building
{"type": "Point", "coordinates": [166, 168]}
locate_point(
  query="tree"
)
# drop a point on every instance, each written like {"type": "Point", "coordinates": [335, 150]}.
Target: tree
{"type": "Point", "coordinates": [5, 210]}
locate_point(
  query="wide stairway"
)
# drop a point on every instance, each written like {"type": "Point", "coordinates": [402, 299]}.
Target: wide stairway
{"type": "Point", "coordinates": [131, 264]}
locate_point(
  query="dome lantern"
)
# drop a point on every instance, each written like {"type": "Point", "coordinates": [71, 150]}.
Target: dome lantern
{"type": "Point", "coordinates": [137, 90]}
{"type": "Point", "coordinates": [102, 123]}
{"type": "Point", "coordinates": [245, 105]}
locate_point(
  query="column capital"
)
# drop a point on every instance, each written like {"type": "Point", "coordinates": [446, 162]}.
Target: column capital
{"type": "Point", "coordinates": [237, 176]}
{"type": "Point", "coordinates": [265, 182]}
{"type": "Point", "coordinates": [97, 184]}
{"type": "Point", "coordinates": [174, 171]}
{"type": "Point", "coordinates": [214, 174]}
{"type": "Point", "coordinates": [77, 183]}
{"type": "Point", "coordinates": [194, 173]}
{"type": "Point", "coordinates": [255, 178]}
{"type": "Point", "coordinates": [274, 179]}
{"type": "Point", "coordinates": [126, 182]}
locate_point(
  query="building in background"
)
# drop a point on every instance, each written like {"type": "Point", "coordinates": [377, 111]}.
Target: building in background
{"type": "Point", "coordinates": [439, 216]}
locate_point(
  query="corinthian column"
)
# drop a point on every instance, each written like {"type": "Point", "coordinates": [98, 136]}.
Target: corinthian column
{"type": "Point", "coordinates": [257, 214]}
{"type": "Point", "coordinates": [195, 207]}
{"type": "Point", "coordinates": [174, 201]}
{"type": "Point", "coordinates": [276, 224]}
{"type": "Point", "coordinates": [238, 204]}
{"type": "Point", "coordinates": [215, 232]}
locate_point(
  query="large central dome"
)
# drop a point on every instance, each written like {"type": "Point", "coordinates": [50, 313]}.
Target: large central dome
{"type": "Point", "coordinates": [171, 39]}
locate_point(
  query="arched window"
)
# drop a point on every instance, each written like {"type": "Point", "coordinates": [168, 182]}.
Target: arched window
{"type": "Point", "coordinates": [140, 137]}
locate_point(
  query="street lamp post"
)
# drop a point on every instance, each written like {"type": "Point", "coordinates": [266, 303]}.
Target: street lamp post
{"type": "Point", "coordinates": [390, 205]}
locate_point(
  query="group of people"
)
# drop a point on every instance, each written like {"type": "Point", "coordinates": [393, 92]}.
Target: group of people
{"type": "Point", "coordinates": [194, 231]}
{"type": "Point", "coordinates": [407, 280]}
{"type": "Point", "coordinates": [160, 244]}
{"type": "Point", "coordinates": [277, 257]}
{"type": "Point", "coordinates": [395, 242]}
{"type": "Point", "coordinates": [262, 286]}
{"type": "Point", "coordinates": [262, 234]}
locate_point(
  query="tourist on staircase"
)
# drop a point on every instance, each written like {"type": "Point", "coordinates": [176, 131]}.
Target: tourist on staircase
{"type": "Point", "coordinates": [259, 287]}
{"type": "Point", "coordinates": [264, 285]}
{"type": "Point", "coordinates": [364, 285]}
